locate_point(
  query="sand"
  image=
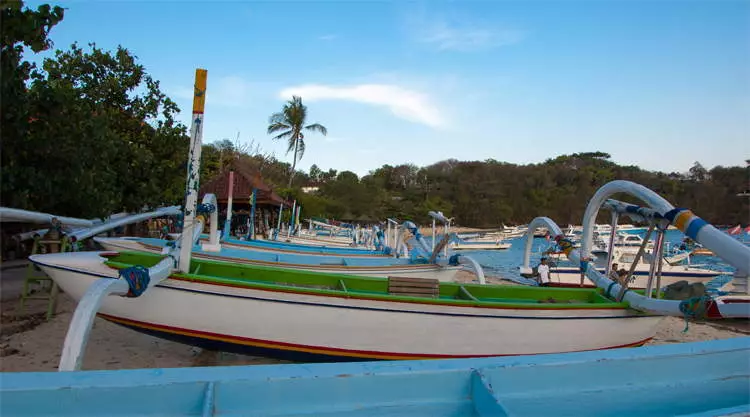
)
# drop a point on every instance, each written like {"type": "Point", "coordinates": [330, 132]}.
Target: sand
{"type": "Point", "coordinates": [29, 343]}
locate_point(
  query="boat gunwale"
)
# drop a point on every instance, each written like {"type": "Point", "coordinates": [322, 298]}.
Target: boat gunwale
{"type": "Point", "coordinates": [300, 252]}
{"type": "Point", "coordinates": [384, 297]}
{"type": "Point", "coordinates": [219, 258]}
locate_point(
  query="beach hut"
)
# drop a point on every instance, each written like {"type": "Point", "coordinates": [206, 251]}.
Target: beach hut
{"type": "Point", "coordinates": [244, 181]}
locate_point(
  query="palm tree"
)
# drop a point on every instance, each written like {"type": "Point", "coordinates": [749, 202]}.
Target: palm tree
{"type": "Point", "coordinates": [290, 121]}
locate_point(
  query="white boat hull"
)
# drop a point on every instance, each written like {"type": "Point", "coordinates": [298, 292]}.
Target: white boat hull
{"type": "Point", "coordinates": [480, 246]}
{"type": "Point", "coordinates": [572, 276]}
{"type": "Point", "coordinates": [348, 327]}
{"type": "Point", "coordinates": [429, 271]}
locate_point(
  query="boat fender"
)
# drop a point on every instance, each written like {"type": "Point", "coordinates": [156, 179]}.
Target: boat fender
{"type": "Point", "coordinates": [137, 278]}
{"type": "Point", "coordinates": [453, 260]}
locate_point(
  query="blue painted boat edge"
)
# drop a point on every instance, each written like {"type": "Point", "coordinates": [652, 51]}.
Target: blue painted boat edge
{"type": "Point", "coordinates": [25, 381]}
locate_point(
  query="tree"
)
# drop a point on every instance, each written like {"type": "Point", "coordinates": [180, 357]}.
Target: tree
{"type": "Point", "coordinates": [290, 122]}
{"type": "Point", "coordinates": [19, 28]}
{"type": "Point", "coordinates": [100, 138]}
{"type": "Point", "coordinates": [315, 173]}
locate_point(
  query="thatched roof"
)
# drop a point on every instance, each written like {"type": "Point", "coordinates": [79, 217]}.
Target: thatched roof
{"type": "Point", "coordinates": [245, 179]}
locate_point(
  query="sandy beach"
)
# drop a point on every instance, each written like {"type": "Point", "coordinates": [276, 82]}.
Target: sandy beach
{"type": "Point", "coordinates": [29, 343]}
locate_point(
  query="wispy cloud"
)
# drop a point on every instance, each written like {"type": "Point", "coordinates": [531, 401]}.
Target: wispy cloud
{"type": "Point", "coordinates": [456, 32]}
{"type": "Point", "coordinates": [328, 37]}
{"type": "Point", "coordinates": [230, 91]}
{"type": "Point", "coordinates": [404, 103]}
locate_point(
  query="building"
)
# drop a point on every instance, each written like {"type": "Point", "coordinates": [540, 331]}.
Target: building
{"type": "Point", "coordinates": [245, 180]}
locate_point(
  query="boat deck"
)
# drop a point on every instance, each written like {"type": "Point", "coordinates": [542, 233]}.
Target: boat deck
{"type": "Point", "coordinates": [243, 276]}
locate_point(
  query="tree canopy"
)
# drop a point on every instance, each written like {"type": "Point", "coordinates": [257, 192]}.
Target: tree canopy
{"type": "Point", "coordinates": [289, 124]}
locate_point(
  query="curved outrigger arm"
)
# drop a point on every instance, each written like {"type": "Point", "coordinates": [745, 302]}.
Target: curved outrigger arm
{"type": "Point", "coordinates": [132, 282]}
{"type": "Point", "coordinates": [659, 210]}
{"type": "Point", "coordinates": [723, 245]}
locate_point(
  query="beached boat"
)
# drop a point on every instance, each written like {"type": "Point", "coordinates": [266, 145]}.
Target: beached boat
{"type": "Point", "coordinates": [295, 313]}
{"type": "Point", "coordinates": [568, 275]}
{"type": "Point", "coordinates": [280, 246]}
{"type": "Point", "coordinates": [363, 266]}
{"type": "Point", "coordinates": [681, 379]}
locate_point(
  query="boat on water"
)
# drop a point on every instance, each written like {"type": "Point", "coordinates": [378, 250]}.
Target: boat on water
{"type": "Point", "coordinates": [564, 274]}
{"type": "Point", "coordinates": [681, 379]}
{"type": "Point", "coordinates": [308, 315]}
{"type": "Point", "coordinates": [479, 245]}
{"type": "Point", "coordinates": [380, 266]}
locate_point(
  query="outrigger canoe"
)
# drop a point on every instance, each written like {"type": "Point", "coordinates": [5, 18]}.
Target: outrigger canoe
{"type": "Point", "coordinates": [313, 316]}
{"type": "Point", "coordinates": [370, 267]}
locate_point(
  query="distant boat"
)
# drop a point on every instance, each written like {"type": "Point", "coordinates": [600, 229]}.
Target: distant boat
{"type": "Point", "coordinates": [342, 264]}
{"type": "Point", "coordinates": [566, 276]}
{"type": "Point", "coordinates": [480, 245]}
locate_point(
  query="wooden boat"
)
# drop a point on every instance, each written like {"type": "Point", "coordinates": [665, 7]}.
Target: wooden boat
{"type": "Point", "coordinates": [311, 315]}
{"type": "Point", "coordinates": [383, 267]}
{"type": "Point", "coordinates": [276, 246]}
{"type": "Point", "coordinates": [480, 245]}
{"type": "Point", "coordinates": [681, 379]}
{"type": "Point", "coordinates": [568, 275]}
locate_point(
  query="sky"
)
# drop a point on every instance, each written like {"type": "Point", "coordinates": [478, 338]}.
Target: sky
{"type": "Point", "coordinates": [657, 84]}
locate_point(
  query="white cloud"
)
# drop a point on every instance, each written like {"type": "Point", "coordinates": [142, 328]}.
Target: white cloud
{"type": "Point", "coordinates": [404, 103]}
{"type": "Point", "coordinates": [328, 37]}
{"type": "Point", "coordinates": [465, 35]}
{"type": "Point", "coordinates": [231, 91]}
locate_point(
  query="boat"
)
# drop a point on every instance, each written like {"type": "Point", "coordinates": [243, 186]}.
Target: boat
{"type": "Point", "coordinates": [285, 312]}
{"type": "Point", "coordinates": [680, 379]}
{"type": "Point", "coordinates": [563, 274]}
{"type": "Point", "coordinates": [477, 244]}
{"type": "Point", "coordinates": [364, 266]}
{"type": "Point", "coordinates": [278, 246]}
{"type": "Point", "coordinates": [312, 316]}
{"type": "Point", "coordinates": [622, 241]}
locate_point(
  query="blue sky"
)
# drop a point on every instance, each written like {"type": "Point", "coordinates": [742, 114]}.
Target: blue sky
{"type": "Point", "coordinates": [656, 84]}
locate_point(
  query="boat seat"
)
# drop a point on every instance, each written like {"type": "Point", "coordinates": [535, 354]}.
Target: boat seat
{"type": "Point", "coordinates": [414, 287]}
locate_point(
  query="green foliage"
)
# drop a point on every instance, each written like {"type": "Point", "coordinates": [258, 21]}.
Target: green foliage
{"type": "Point", "coordinates": [90, 133]}
{"type": "Point", "coordinates": [289, 124]}
{"type": "Point", "coordinates": [490, 193]}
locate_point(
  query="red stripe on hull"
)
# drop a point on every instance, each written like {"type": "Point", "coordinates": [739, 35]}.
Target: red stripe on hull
{"type": "Point", "coordinates": [324, 350]}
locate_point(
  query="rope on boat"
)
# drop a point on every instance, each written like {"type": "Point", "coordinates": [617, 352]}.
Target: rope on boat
{"type": "Point", "coordinates": [695, 308]}
{"type": "Point", "coordinates": [137, 278]}
{"type": "Point", "coordinates": [206, 208]}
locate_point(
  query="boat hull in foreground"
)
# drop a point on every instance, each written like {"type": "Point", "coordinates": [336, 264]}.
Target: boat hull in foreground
{"type": "Point", "coordinates": [355, 323]}
{"type": "Point", "coordinates": [681, 379]}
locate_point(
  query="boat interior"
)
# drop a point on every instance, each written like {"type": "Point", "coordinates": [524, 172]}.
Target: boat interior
{"type": "Point", "coordinates": [392, 288]}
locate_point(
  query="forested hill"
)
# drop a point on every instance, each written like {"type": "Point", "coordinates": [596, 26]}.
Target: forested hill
{"type": "Point", "coordinates": [490, 193]}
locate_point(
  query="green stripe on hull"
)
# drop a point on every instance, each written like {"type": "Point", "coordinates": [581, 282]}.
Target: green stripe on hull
{"type": "Point", "coordinates": [291, 280]}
